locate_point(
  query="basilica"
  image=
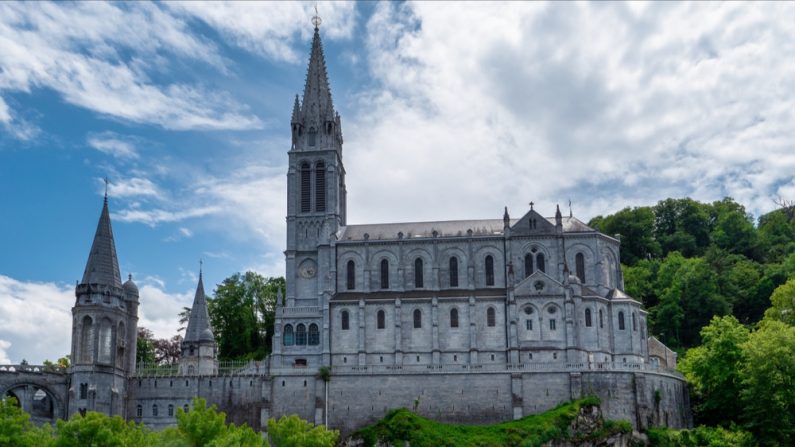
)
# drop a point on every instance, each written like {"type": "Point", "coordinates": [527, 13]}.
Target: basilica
{"type": "Point", "coordinates": [470, 321]}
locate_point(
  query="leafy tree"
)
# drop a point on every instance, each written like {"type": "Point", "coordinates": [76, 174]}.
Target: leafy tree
{"type": "Point", "coordinates": [167, 351]}
{"type": "Point", "coordinates": [776, 235]}
{"type": "Point", "coordinates": [700, 437]}
{"type": "Point", "coordinates": [639, 281]}
{"type": "Point", "coordinates": [713, 374]}
{"type": "Point", "coordinates": [16, 430]}
{"type": "Point", "coordinates": [292, 431]}
{"type": "Point", "coordinates": [243, 315]}
{"type": "Point", "coordinates": [184, 317]}
{"type": "Point", "coordinates": [732, 228]}
{"type": "Point", "coordinates": [204, 426]}
{"type": "Point", "coordinates": [783, 300]}
{"type": "Point", "coordinates": [97, 429]}
{"type": "Point", "coordinates": [636, 228]}
{"type": "Point", "coordinates": [145, 347]}
{"type": "Point", "coordinates": [682, 225]}
{"type": "Point", "coordinates": [768, 394]}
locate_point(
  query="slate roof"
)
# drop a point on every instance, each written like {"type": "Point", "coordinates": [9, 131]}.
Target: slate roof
{"type": "Point", "coordinates": [316, 104]}
{"type": "Point", "coordinates": [103, 266]}
{"type": "Point", "coordinates": [199, 327]}
{"type": "Point", "coordinates": [444, 228]}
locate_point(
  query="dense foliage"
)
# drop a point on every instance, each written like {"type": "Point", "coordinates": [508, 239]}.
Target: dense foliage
{"type": "Point", "coordinates": [687, 261]}
{"type": "Point", "coordinates": [161, 351]}
{"type": "Point", "coordinates": [202, 426]}
{"type": "Point", "coordinates": [700, 436]}
{"type": "Point", "coordinates": [243, 313]}
{"type": "Point", "coordinates": [403, 425]}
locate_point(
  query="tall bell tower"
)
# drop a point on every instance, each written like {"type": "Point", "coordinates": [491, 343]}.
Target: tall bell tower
{"type": "Point", "coordinates": [315, 211]}
{"type": "Point", "coordinates": [104, 327]}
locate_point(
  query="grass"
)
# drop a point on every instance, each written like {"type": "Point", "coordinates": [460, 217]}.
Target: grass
{"type": "Point", "coordinates": [403, 425]}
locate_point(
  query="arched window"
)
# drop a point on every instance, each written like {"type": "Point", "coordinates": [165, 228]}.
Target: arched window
{"type": "Point", "coordinates": [601, 320]}
{"type": "Point", "coordinates": [418, 273]}
{"type": "Point", "coordinates": [170, 409]}
{"type": "Point", "coordinates": [154, 410]}
{"type": "Point", "coordinates": [87, 340]}
{"type": "Point", "coordinates": [350, 274]}
{"type": "Point", "coordinates": [320, 186]}
{"type": "Point", "coordinates": [140, 410]}
{"type": "Point", "coordinates": [453, 271]}
{"type": "Point", "coordinates": [120, 334]}
{"type": "Point", "coordinates": [381, 317]}
{"type": "Point", "coordinates": [314, 335]}
{"type": "Point", "coordinates": [417, 318]}
{"type": "Point", "coordinates": [288, 338]}
{"type": "Point", "coordinates": [306, 193]}
{"type": "Point", "coordinates": [540, 262]}
{"type": "Point", "coordinates": [491, 317]}
{"type": "Point", "coordinates": [634, 322]}
{"type": "Point", "coordinates": [489, 270]}
{"type": "Point", "coordinates": [528, 265]}
{"type": "Point", "coordinates": [105, 341]}
{"type": "Point", "coordinates": [345, 320]}
{"type": "Point", "coordinates": [300, 335]}
{"type": "Point", "coordinates": [621, 321]}
{"type": "Point", "coordinates": [579, 261]}
{"type": "Point", "coordinates": [588, 322]}
{"type": "Point", "coordinates": [384, 274]}
{"type": "Point", "coordinates": [453, 317]}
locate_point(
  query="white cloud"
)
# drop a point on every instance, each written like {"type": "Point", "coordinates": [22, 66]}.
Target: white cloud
{"type": "Point", "coordinates": [35, 320]}
{"type": "Point", "coordinates": [4, 345]}
{"type": "Point", "coordinates": [476, 107]}
{"type": "Point", "coordinates": [114, 145]}
{"type": "Point", "coordinates": [272, 29]}
{"type": "Point", "coordinates": [159, 310]}
{"type": "Point", "coordinates": [153, 217]}
{"type": "Point", "coordinates": [133, 187]}
{"type": "Point", "coordinates": [100, 56]}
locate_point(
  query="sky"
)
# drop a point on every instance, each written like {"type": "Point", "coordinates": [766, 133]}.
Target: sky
{"type": "Point", "coordinates": [449, 111]}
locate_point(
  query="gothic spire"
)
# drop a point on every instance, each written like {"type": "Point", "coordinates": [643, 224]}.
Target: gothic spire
{"type": "Point", "coordinates": [317, 106]}
{"type": "Point", "coordinates": [103, 266]}
{"type": "Point", "coordinates": [199, 328]}
{"type": "Point", "coordinates": [296, 111]}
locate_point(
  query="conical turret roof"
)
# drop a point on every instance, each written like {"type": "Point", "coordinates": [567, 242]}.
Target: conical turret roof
{"type": "Point", "coordinates": [199, 327]}
{"type": "Point", "coordinates": [103, 265]}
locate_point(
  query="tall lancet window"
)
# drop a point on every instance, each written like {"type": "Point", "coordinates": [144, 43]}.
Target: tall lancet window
{"type": "Point", "coordinates": [306, 193]}
{"type": "Point", "coordinates": [579, 260]}
{"type": "Point", "coordinates": [540, 262]}
{"type": "Point", "coordinates": [453, 271]}
{"type": "Point", "coordinates": [384, 274]}
{"type": "Point", "coordinates": [489, 270]}
{"type": "Point", "coordinates": [105, 341]}
{"type": "Point", "coordinates": [320, 186]}
{"type": "Point", "coordinates": [312, 136]}
{"type": "Point", "coordinates": [418, 283]}
{"type": "Point", "coordinates": [528, 265]}
{"type": "Point", "coordinates": [87, 340]}
{"type": "Point", "coordinates": [350, 282]}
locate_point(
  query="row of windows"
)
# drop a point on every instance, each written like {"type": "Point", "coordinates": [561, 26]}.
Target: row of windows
{"type": "Point", "coordinates": [419, 280]}
{"type": "Point", "coordinates": [320, 187]}
{"type": "Point", "coordinates": [156, 412]}
{"type": "Point", "coordinates": [491, 318]}
{"type": "Point", "coordinates": [299, 336]}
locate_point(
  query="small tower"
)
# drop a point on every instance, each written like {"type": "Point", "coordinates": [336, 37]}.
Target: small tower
{"type": "Point", "coordinates": [198, 355]}
{"type": "Point", "coordinates": [104, 326]}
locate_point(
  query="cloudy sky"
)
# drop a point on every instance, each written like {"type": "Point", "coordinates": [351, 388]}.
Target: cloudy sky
{"type": "Point", "coordinates": [448, 110]}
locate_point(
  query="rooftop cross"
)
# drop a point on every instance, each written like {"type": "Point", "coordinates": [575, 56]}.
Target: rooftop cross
{"type": "Point", "coordinates": [106, 186]}
{"type": "Point", "coordinates": [316, 20]}
{"type": "Point", "coordinates": [531, 206]}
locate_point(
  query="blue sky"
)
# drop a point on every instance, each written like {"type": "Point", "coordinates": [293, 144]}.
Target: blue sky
{"type": "Point", "coordinates": [448, 110]}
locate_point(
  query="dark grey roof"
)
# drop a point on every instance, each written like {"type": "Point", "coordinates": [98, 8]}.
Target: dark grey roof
{"type": "Point", "coordinates": [130, 287]}
{"type": "Point", "coordinates": [445, 228]}
{"type": "Point", "coordinates": [616, 294]}
{"type": "Point", "coordinates": [103, 266]}
{"type": "Point", "coordinates": [317, 106]}
{"type": "Point", "coordinates": [199, 327]}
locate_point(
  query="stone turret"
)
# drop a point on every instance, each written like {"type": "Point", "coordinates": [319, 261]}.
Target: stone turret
{"type": "Point", "coordinates": [105, 319]}
{"type": "Point", "coordinates": [198, 355]}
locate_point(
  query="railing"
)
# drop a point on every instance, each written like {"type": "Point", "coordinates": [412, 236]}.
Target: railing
{"type": "Point", "coordinates": [56, 369]}
{"type": "Point", "coordinates": [299, 310]}
{"type": "Point", "coordinates": [225, 368]}
{"type": "Point", "coordinates": [511, 367]}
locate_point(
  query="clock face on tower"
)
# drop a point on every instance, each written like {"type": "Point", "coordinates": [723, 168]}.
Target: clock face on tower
{"type": "Point", "coordinates": [307, 269]}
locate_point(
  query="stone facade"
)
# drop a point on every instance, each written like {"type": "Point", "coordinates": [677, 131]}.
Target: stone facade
{"type": "Point", "coordinates": [465, 321]}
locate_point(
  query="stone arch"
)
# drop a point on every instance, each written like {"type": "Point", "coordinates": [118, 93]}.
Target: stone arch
{"type": "Point", "coordinates": [539, 249]}
{"type": "Point", "coordinates": [342, 269]}
{"type": "Point", "coordinates": [532, 330]}
{"type": "Point", "coordinates": [444, 266]}
{"type": "Point", "coordinates": [480, 265]}
{"type": "Point", "coordinates": [609, 271]}
{"type": "Point", "coordinates": [589, 261]}
{"type": "Point", "coordinates": [427, 266]}
{"type": "Point", "coordinates": [375, 268]}
{"type": "Point", "coordinates": [37, 399]}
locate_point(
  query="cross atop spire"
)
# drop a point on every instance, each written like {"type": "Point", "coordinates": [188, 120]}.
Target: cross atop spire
{"type": "Point", "coordinates": [103, 265]}
{"type": "Point", "coordinates": [106, 187]}
{"type": "Point", "coordinates": [199, 327]}
{"type": "Point", "coordinates": [316, 20]}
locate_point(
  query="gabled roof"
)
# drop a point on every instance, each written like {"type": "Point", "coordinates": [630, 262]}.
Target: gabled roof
{"type": "Point", "coordinates": [103, 266]}
{"type": "Point", "coordinates": [199, 327]}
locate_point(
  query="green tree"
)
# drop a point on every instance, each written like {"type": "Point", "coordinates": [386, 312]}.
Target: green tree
{"type": "Point", "coordinates": [776, 233]}
{"type": "Point", "coordinates": [292, 431]}
{"type": "Point", "coordinates": [712, 370]}
{"type": "Point", "coordinates": [16, 430]}
{"type": "Point", "coordinates": [636, 229]}
{"type": "Point", "coordinates": [768, 393]}
{"type": "Point", "coordinates": [242, 312]}
{"type": "Point", "coordinates": [733, 228]}
{"type": "Point", "coordinates": [639, 281]}
{"type": "Point", "coordinates": [145, 347]}
{"type": "Point", "coordinates": [783, 303]}
{"type": "Point", "coordinates": [682, 225]}
{"type": "Point", "coordinates": [98, 430]}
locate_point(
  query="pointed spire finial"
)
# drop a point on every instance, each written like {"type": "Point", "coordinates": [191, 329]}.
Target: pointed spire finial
{"type": "Point", "coordinates": [570, 213]}
{"type": "Point", "coordinates": [129, 277]}
{"type": "Point", "coordinates": [531, 205]}
{"type": "Point", "coordinates": [316, 20]}
{"type": "Point", "coordinates": [106, 187]}
{"type": "Point", "coordinates": [201, 264]}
